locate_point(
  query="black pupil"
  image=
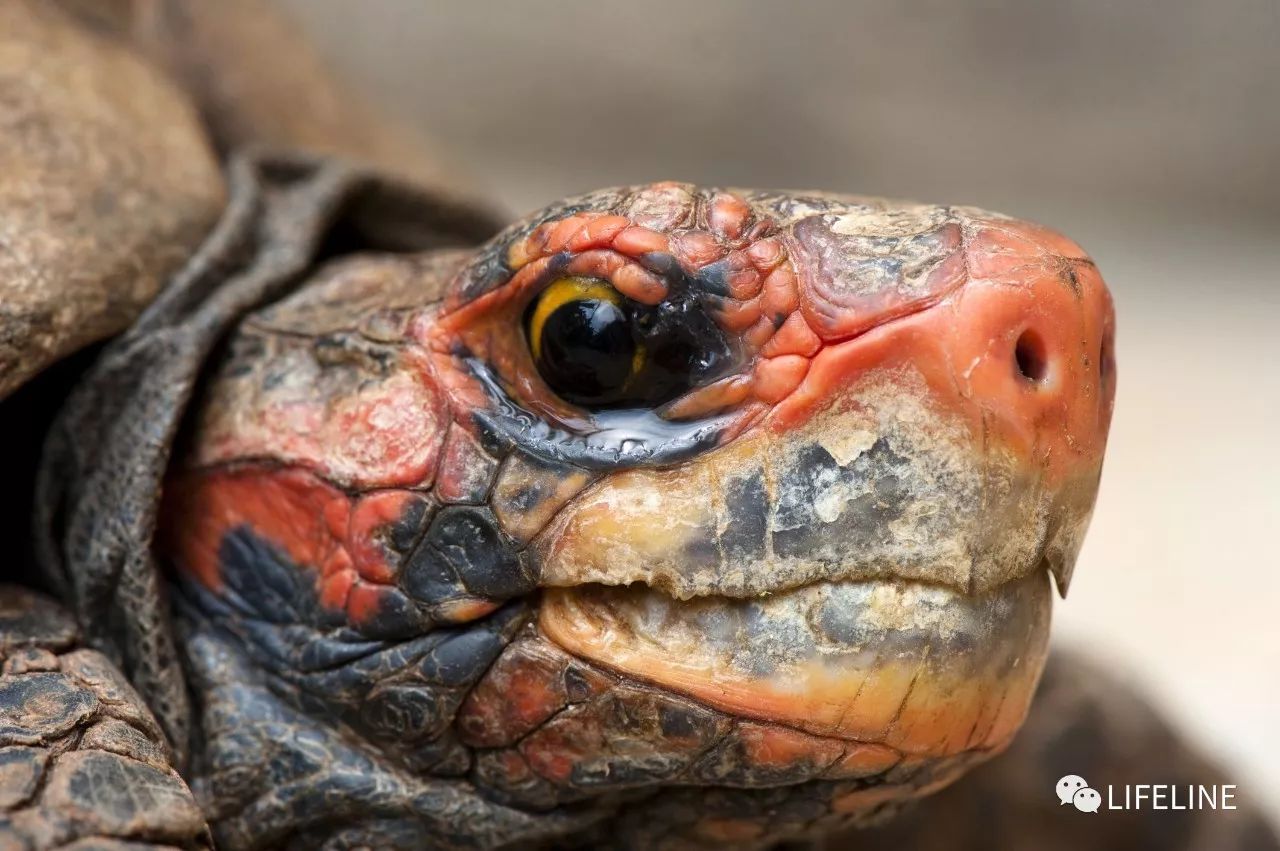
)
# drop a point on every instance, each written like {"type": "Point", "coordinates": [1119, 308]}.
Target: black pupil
{"type": "Point", "coordinates": [587, 352]}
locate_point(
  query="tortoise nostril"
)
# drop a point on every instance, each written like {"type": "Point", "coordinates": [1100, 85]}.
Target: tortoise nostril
{"type": "Point", "coordinates": [1031, 357]}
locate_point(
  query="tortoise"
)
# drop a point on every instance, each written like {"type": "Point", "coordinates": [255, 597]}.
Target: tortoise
{"type": "Point", "coordinates": [668, 516]}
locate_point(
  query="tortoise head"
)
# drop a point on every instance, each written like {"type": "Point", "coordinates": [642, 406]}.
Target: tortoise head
{"type": "Point", "coordinates": [730, 515]}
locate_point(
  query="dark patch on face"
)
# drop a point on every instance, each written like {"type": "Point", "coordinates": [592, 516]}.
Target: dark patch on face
{"type": "Point", "coordinates": [487, 272]}
{"type": "Point", "coordinates": [488, 563]}
{"type": "Point", "coordinates": [699, 553]}
{"type": "Point", "coordinates": [839, 626]}
{"type": "Point", "coordinates": [662, 263]}
{"type": "Point", "coordinates": [333, 650]}
{"type": "Point", "coordinates": [405, 711]}
{"type": "Point", "coordinates": [242, 357]}
{"type": "Point", "coordinates": [398, 692]}
{"type": "Point", "coordinates": [397, 617]}
{"type": "Point", "coordinates": [260, 581]}
{"type": "Point", "coordinates": [1068, 276]}
{"type": "Point", "coordinates": [576, 686]}
{"type": "Point", "coordinates": [459, 659]}
{"type": "Point", "coordinates": [679, 722]}
{"type": "Point", "coordinates": [429, 578]}
{"type": "Point", "coordinates": [606, 772]}
{"type": "Point", "coordinates": [875, 475]}
{"type": "Point", "coordinates": [714, 277]}
{"type": "Point", "coordinates": [527, 496]}
{"type": "Point", "coordinates": [747, 507]}
{"type": "Point", "coordinates": [403, 533]}
{"type": "Point", "coordinates": [762, 632]}
{"type": "Point", "coordinates": [728, 763]}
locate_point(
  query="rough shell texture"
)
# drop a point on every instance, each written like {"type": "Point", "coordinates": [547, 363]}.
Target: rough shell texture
{"type": "Point", "coordinates": [247, 68]}
{"type": "Point", "coordinates": [82, 759]}
{"type": "Point", "coordinates": [106, 185]}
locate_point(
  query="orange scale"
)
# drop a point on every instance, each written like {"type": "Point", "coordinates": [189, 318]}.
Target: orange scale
{"type": "Point", "coordinates": [464, 609]}
{"type": "Point", "coordinates": [737, 316]}
{"type": "Point", "coordinates": [760, 334]}
{"type": "Point", "coordinates": [729, 215]}
{"type": "Point", "coordinates": [724, 393]}
{"type": "Point", "coordinates": [639, 284]}
{"type": "Point", "coordinates": [742, 279]}
{"type": "Point", "coordinates": [698, 248]}
{"type": "Point", "coordinates": [767, 253]}
{"type": "Point", "coordinates": [564, 232]}
{"type": "Point", "coordinates": [781, 293]}
{"type": "Point", "coordinates": [795, 337]}
{"type": "Point", "coordinates": [637, 241]}
{"type": "Point", "coordinates": [777, 378]}
{"type": "Point", "coordinates": [525, 251]}
{"type": "Point", "coordinates": [371, 514]}
{"type": "Point", "coordinates": [596, 263]}
{"type": "Point", "coordinates": [336, 514]}
{"type": "Point", "coordinates": [598, 233]}
{"type": "Point", "coordinates": [336, 588]}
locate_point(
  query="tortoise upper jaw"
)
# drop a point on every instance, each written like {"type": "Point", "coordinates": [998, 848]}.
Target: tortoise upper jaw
{"type": "Point", "coordinates": [923, 670]}
{"type": "Point", "coordinates": [959, 445]}
{"type": "Point", "coordinates": [886, 480]}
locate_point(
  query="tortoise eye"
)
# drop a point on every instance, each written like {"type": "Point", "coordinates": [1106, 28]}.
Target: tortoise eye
{"type": "Point", "coordinates": [582, 339]}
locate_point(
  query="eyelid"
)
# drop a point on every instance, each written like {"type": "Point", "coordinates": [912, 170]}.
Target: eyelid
{"type": "Point", "coordinates": [560, 292]}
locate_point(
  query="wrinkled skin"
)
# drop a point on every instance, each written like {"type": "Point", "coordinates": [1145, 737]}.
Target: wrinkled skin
{"type": "Point", "coordinates": [424, 599]}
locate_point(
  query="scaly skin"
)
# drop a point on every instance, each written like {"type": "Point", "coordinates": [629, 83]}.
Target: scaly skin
{"type": "Point", "coordinates": [83, 763]}
{"type": "Point", "coordinates": [425, 600]}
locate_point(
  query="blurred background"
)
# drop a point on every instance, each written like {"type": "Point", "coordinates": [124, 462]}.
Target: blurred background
{"type": "Point", "coordinates": [1149, 132]}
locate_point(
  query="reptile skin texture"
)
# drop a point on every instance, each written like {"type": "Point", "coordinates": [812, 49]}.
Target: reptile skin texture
{"type": "Point", "coordinates": [405, 588]}
{"type": "Point", "coordinates": [383, 516]}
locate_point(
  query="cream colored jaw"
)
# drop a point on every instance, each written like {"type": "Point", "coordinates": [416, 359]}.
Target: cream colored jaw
{"type": "Point", "coordinates": [923, 670]}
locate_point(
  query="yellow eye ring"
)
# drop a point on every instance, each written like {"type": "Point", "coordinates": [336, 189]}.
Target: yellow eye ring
{"type": "Point", "coordinates": [566, 291]}
{"type": "Point", "coordinates": [595, 348]}
{"type": "Point", "coordinates": [560, 292]}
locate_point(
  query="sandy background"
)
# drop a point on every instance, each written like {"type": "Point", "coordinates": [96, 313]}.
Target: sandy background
{"type": "Point", "coordinates": [1150, 132]}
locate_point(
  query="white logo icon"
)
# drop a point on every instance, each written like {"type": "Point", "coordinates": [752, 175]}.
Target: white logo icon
{"type": "Point", "coordinates": [1087, 800]}
{"type": "Point", "coordinates": [1074, 789]}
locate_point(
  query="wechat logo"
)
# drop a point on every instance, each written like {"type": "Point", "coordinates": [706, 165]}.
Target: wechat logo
{"type": "Point", "coordinates": [1074, 789]}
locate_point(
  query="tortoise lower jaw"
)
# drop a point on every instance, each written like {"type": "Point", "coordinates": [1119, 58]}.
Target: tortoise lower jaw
{"type": "Point", "coordinates": [921, 669]}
